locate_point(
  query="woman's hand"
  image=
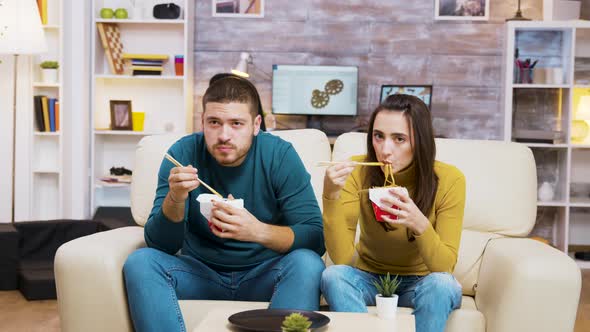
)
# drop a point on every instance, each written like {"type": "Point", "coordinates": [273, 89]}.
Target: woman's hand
{"type": "Point", "coordinates": [335, 179]}
{"type": "Point", "coordinates": [408, 214]}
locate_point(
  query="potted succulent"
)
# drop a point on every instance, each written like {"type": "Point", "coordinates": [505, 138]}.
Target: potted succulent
{"type": "Point", "coordinates": [49, 71]}
{"type": "Point", "coordinates": [386, 298]}
{"type": "Point", "coordinates": [296, 322]}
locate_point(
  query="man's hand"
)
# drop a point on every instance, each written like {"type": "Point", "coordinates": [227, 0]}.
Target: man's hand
{"type": "Point", "coordinates": [181, 181]}
{"type": "Point", "coordinates": [230, 222]}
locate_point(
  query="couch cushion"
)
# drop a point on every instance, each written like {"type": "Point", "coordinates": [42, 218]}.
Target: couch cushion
{"type": "Point", "coordinates": [494, 203]}
{"type": "Point", "coordinates": [471, 250]}
{"type": "Point", "coordinates": [312, 146]}
{"type": "Point", "coordinates": [148, 158]}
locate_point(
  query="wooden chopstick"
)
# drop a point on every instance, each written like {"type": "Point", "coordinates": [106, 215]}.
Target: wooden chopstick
{"type": "Point", "coordinates": [172, 160]}
{"type": "Point", "coordinates": [360, 163]}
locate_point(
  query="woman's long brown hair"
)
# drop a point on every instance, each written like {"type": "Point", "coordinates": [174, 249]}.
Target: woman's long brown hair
{"type": "Point", "coordinates": [420, 123]}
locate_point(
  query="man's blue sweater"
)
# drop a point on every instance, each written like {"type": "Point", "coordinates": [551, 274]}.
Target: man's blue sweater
{"type": "Point", "coordinates": [275, 187]}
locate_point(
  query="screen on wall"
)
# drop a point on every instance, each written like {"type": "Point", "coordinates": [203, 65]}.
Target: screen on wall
{"type": "Point", "coordinates": [423, 92]}
{"type": "Point", "coordinates": [314, 90]}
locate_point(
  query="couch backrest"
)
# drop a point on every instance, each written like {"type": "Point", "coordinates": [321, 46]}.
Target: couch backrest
{"type": "Point", "coordinates": [501, 180]}
{"type": "Point", "coordinates": [312, 146]}
{"type": "Point", "coordinates": [148, 158]}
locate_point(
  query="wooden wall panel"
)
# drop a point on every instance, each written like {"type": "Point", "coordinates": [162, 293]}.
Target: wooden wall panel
{"type": "Point", "coordinates": [390, 41]}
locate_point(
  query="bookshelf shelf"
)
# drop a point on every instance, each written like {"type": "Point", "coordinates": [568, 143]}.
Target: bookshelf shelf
{"type": "Point", "coordinates": [148, 21]}
{"type": "Point", "coordinates": [140, 77]}
{"type": "Point", "coordinates": [547, 107]}
{"type": "Point", "coordinates": [47, 171]}
{"type": "Point", "coordinates": [46, 85]}
{"type": "Point", "coordinates": [166, 100]}
{"type": "Point", "coordinates": [123, 133]}
{"type": "Point", "coordinates": [544, 145]}
{"type": "Point", "coordinates": [101, 185]}
{"type": "Point", "coordinates": [540, 86]}
{"type": "Point", "coordinates": [41, 184]}
{"type": "Point", "coordinates": [41, 133]}
{"type": "Point", "coordinates": [552, 203]}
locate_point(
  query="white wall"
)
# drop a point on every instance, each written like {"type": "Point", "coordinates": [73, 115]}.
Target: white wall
{"type": "Point", "coordinates": [5, 137]}
{"type": "Point", "coordinates": [75, 122]}
{"type": "Point", "coordinates": [76, 93]}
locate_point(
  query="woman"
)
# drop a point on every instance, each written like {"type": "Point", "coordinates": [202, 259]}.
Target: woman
{"type": "Point", "coordinates": [421, 244]}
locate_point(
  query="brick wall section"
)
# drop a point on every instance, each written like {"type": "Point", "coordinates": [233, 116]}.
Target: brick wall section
{"type": "Point", "coordinates": [391, 41]}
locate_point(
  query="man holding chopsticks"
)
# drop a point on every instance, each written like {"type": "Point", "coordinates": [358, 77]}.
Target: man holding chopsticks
{"type": "Point", "coordinates": [268, 251]}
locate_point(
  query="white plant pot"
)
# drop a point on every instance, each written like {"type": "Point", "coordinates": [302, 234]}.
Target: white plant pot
{"type": "Point", "coordinates": [49, 75]}
{"type": "Point", "coordinates": [386, 306]}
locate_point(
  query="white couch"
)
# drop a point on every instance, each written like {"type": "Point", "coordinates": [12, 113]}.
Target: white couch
{"type": "Point", "coordinates": [510, 283]}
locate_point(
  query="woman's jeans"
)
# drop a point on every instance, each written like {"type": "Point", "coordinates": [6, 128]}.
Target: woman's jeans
{"type": "Point", "coordinates": [433, 296]}
{"type": "Point", "coordinates": [155, 282]}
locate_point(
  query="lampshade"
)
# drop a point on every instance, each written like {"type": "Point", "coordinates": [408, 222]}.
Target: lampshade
{"type": "Point", "coordinates": [241, 69]}
{"type": "Point", "coordinates": [583, 111]}
{"type": "Point", "coordinates": [20, 28]}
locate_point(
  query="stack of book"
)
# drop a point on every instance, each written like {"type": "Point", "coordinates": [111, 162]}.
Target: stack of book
{"type": "Point", "coordinates": [146, 64]}
{"type": "Point", "coordinates": [46, 113]}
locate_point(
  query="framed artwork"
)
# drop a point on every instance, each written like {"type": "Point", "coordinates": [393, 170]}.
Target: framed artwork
{"type": "Point", "coordinates": [423, 92]}
{"type": "Point", "coordinates": [121, 118]}
{"type": "Point", "coordinates": [238, 8]}
{"type": "Point", "coordinates": [473, 10]}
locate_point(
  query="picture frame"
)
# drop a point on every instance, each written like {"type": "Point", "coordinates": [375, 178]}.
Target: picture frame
{"type": "Point", "coordinates": [423, 92]}
{"type": "Point", "coordinates": [121, 118]}
{"type": "Point", "coordinates": [472, 10]}
{"type": "Point", "coordinates": [238, 8]}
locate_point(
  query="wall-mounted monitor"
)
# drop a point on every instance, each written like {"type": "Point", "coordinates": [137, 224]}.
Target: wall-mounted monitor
{"type": "Point", "coordinates": [314, 90]}
{"type": "Point", "coordinates": [423, 92]}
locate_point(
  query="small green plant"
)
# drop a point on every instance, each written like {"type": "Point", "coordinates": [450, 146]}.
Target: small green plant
{"type": "Point", "coordinates": [49, 65]}
{"type": "Point", "coordinates": [296, 322]}
{"type": "Point", "coordinates": [387, 286]}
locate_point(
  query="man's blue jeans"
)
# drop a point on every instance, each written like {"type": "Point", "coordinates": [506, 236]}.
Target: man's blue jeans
{"type": "Point", "coordinates": [155, 282]}
{"type": "Point", "coordinates": [433, 296]}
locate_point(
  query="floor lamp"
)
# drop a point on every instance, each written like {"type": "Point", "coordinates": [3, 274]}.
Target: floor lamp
{"type": "Point", "coordinates": [21, 33]}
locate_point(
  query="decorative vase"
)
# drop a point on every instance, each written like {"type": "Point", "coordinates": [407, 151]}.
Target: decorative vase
{"type": "Point", "coordinates": [546, 192]}
{"type": "Point", "coordinates": [49, 75]}
{"type": "Point", "coordinates": [386, 306]}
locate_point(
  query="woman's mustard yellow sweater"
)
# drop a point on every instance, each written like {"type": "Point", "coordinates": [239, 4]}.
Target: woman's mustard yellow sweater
{"type": "Point", "coordinates": [379, 251]}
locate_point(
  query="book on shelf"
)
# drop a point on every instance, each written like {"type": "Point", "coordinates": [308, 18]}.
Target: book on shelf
{"type": "Point", "coordinates": [144, 56]}
{"type": "Point", "coordinates": [154, 63]}
{"type": "Point", "coordinates": [147, 68]}
{"type": "Point", "coordinates": [42, 5]}
{"type": "Point", "coordinates": [46, 113]}
{"type": "Point", "coordinates": [56, 115]}
{"type": "Point", "coordinates": [39, 113]}
{"type": "Point", "coordinates": [538, 136]}
{"type": "Point", "coordinates": [146, 72]}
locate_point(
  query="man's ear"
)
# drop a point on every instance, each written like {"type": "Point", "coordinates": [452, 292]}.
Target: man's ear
{"type": "Point", "coordinates": [203, 117]}
{"type": "Point", "coordinates": [257, 121]}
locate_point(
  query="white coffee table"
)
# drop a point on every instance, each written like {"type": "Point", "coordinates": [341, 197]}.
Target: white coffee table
{"type": "Point", "coordinates": [216, 321]}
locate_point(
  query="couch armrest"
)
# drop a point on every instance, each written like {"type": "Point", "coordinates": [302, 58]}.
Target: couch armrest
{"type": "Point", "coordinates": [89, 280]}
{"type": "Point", "coordinates": [525, 285]}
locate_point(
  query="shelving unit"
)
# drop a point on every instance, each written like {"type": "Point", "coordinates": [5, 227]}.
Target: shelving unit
{"type": "Point", "coordinates": [40, 181]}
{"type": "Point", "coordinates": [166, 100]}
{"type": "Point", "coordinates": [549, 105]}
